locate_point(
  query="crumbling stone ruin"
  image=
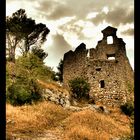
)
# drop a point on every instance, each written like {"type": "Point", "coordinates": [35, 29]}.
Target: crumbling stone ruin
{"type": "Point", "coordinates": [106, 68]}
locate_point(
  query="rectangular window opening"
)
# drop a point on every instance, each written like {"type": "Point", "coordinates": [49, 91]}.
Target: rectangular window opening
{"type": "Point", "coordinates": [98, 69]}
{"type": "Point", "coordinates": [88, 54]}
{"type": "Point", "coordinates": [109, 40]}
{"type": "Point", "coordinates": [102, 84]}
{"type": "Point", "coordinates": [111, 56]}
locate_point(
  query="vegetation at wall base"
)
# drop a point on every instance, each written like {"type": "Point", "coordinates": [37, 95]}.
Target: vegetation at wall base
{"type": "Point", "coordinates": [79, 88]}
{"type": "Point", "coordinates": [128, 108]}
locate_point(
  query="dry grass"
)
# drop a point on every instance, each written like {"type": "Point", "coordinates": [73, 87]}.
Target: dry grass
{"type": "Point", "coordinates": [83, 125]}
{"type": "Point", "coordinates": [80, 132]}
{"type": "Point", "coordinates": [34, 119]}
{"type": "Point", "coordinates": [53, 86]}
{"type": "Point", "coordinates": [94, 125]}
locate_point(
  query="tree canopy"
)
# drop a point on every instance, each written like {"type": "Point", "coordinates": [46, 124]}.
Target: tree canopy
{"type": "Point", "coordinates": [23, 32]}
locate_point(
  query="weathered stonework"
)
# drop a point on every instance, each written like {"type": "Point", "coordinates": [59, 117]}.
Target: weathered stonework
{"type": "Point", "coordinates": [110, 79]}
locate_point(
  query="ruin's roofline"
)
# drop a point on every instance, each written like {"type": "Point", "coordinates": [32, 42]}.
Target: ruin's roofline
{"type": "Point", "coordinates": [108, 31]}
{"type": "Point", "coordinates": [109, 28]}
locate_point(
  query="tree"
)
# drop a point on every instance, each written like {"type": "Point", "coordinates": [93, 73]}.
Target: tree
{"type": "Point", "coordinates": [60, 71]}
{"type": "Point", "coordinates": [39, 53]}
{"type": "Point", "coordinates": [22, 86]}
{"type": "Point", "coordinates": [23, 32]}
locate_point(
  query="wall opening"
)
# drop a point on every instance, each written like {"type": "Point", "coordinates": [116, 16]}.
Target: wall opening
{"type": "Point", "coordinates": [98, 69]}
{"type": "Point", "coordinates": [102, 84]}
{"type": "Point", "coordinates": [88, 54]}
{"type": "Point", "coordinates": [111, 56]}
{"type": "Point", "coordinates": [109, 40]}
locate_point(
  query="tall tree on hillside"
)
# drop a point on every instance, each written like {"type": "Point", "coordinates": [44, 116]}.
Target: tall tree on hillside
{"type": "Point", "coordinates": [60, 71]}
{"type": "Point", "coordinates": [23, 32]}
{"type": "Point", "coordinates": [40, 53]}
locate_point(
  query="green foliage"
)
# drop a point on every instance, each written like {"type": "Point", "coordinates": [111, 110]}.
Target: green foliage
{"type": "Point", "coordinates": [59, 74]}
{"type": "Point", "coordinates": [128, 108]}
{"type": "Point", "coordinates": [29, 62]}
{"type": "Point", "coordinates": [23, 32]}
{"type": "Point", "coordinates": [21, 79]}
{"type": "Point", "coordinates": [39, 52]}
{"type": "Point", "coordinates": [79, 87]}
{"type": "Point", "coordinates": [35, 67]}
{"type": "Point", "coordinates": [23, 93]}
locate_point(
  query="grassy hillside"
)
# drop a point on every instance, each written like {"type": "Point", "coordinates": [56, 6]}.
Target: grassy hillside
{"type": "Point", "coordinates": [33, 121]}
{"type": "Point", "coordinates": [44, 120]}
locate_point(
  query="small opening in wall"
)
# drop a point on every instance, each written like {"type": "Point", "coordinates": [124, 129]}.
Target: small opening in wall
{"type": "Point", "coordinates": [102, 84]}
{"type": "Point", "coordinates": [111, 56]}
{"type": "Point", "coordinates": [98, 69]}
{"type": "Point", "coordinates": [88, 54]}
{"type": "Point", "coordinates": [109, 40]}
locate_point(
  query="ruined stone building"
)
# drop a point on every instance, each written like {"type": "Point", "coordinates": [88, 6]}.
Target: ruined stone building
{"type": "Point", "coordinates": [106, 68]}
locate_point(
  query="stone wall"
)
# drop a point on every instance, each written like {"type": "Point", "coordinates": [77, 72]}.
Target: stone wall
{"type": "Point", "coordinates": [106, 68]}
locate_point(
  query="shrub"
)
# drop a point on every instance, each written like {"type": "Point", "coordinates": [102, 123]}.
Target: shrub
{"type": "Point", "coordinates": [128, 108]}
{"type": "Point", "coordinates": [21, 77]}
{"type": "Point", "coordinates": [79, 87]}
{"type": "Point", "coordinates": [35, 67]}
{"type": "Point", "coordinates": [20, 94]}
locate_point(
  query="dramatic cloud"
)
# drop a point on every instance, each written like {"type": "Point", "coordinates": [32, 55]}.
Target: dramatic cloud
{"type": "Point", "coordinates": [115, 17]}
{"type": "Point", "coordinates": [128, 32]}
{"type": "Point", "coordinates": [54, 9]}
{"type": "Point", "coordinates": [56, 50]}
{"type": "Point", "coordinates": [72, 22]}
{"type": "Point", "coordinates": [75, 27]}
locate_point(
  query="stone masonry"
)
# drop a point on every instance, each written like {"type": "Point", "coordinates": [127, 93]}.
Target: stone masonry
{"type": "Point", "coordinates": [106, 68]}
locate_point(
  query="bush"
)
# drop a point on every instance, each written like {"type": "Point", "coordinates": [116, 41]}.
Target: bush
{"type": "Point", "coordinates": [20, 94]}
{"type": "Point", "coordinates": [128, 108]}
{"type": "Point", "coordinates": [79, 87]}
{"type": "Point", "coordinates": [21, 77]}
{"type": "Point", "coordinates": [35, 67]}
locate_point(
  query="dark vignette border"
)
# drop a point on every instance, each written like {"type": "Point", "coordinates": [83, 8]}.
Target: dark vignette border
{"type": "Point", "coordinates": [2, 71]}
{"type": "Point", "coordinates": [137, 69]}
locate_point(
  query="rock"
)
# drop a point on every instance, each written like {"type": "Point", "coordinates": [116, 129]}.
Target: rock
{"type": "Point", "coordinates": [75, 108]}
{"type": "Point", "coordinates": [48, 91]}
{"type": "Point", "coordinates": [57, 97]}
{"type": "Point", "coordinates": [106, 111]}
{"type": "Point", "coordinates": [101, 109]}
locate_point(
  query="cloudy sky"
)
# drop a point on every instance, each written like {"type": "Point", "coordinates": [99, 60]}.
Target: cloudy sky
{"type": "Point", "coordinates": [72, 22]}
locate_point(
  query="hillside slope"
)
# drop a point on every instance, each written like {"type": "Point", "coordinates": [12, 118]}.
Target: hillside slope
{"type": "Point", "coordinates": [48, 121]}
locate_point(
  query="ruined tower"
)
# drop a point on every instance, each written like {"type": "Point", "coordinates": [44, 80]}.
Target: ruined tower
{"type": "Point", "coordinates": [106, 68]}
